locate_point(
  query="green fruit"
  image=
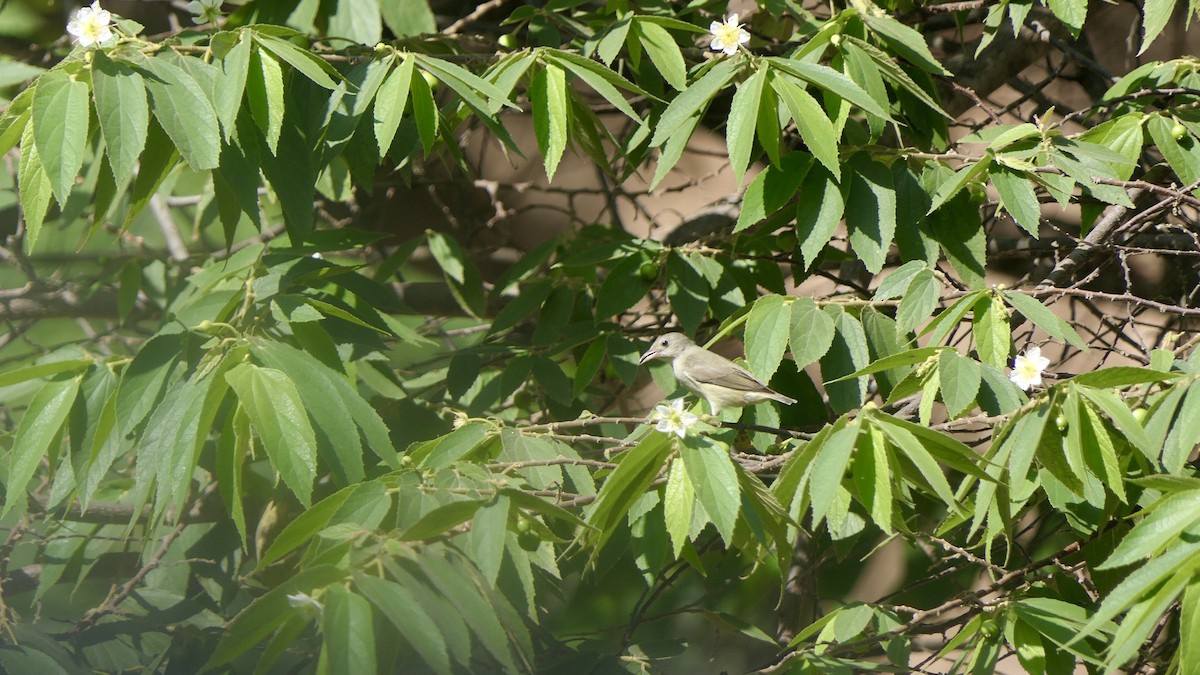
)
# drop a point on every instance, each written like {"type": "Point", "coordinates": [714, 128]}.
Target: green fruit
{"type": "Point", "coordinates": [648, 271]}
{"type": "Point", "coordinates": [528, 541]}
{"type": "Point", "coordinates": [1139, 414]}
{"type": "Point", "coordinates": [1178, 131]}
{"type": "Point", "coordinates": [1060, 422]}
{"type": "Point", "coordinates": [508, 40]}
{"type": "Point", "coordinates": [523, 525]}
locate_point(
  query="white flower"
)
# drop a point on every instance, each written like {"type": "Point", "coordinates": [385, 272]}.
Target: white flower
{"type": "Point", "coordinates": [303, 600]}
{"type": "Point", "coordinates": [205, 11]}
{"type": "Point", "coordinates": [727, 36]}
{"type": "Point", "coordinates": [90, 26]}
{"type": "Point", "coordinates": [1028, 367]}
{"type": "Point", "coordinates": [673, 419]}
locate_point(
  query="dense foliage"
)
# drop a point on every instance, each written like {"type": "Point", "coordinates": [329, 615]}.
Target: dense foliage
{"type": "Point", "coordinates": [305, 368]}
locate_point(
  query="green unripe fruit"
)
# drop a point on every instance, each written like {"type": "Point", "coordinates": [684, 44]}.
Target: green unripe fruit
{"type": "Point", "coordinates": [989, 628]}
{"type": "Point", "coordinates": [1178, 131]}
{"type": "Point", "coordinates": [1139, 414]}
{"type": "Point", "coordinates": [1060, 422]}
{"type": "Point", "coordinates": [508, 40]}
{"type": "Point", "coordinates": [528, 541]}
{"type": "Point", "coordinates": [523, 525]}
{"type": "Point", "coordinates": [648, 271]}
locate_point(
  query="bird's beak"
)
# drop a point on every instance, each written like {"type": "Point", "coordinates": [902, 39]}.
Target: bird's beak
{"type": "Point", "coordinates": [650, 355]}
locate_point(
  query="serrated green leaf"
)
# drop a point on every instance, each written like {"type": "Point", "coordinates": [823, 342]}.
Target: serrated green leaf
{"type": "Point", "coordinates": [1155, 16]}
{"type": "Point", "coordinates": [60, 128]}
{"type": "Point", "coordinates": [390, 102]}
{"type": "Point", "coordinates": [124, 115]}
{"type": "Point", "coordinates": [185, 113]}
{"type": "Point", "coordinates": [402, 608]}
{"type": "Point", "coordinates": [548, 97]}
{"type": "Point", "coordinates": [960, 377]}
{"type": "Point", "coordinates": [871, 211]}
{"type": "Point", "coordinates": [693, 99]}
{"type": "Point", "coordinates": [679, 498]}
{"type": "Point", "coordinates": [919, 301]}
{"type": "Point", "coordinates": [812, 332]}
{"type": "Point", "coordinates": [1018, 198]}
{"type": "Point", "coordinates": [772, 188]}
{"type": "Point", "coordinates": [35, 188]}
{"type": "Point", "coordinates": [811, 121]}
{"type": "Point", "coordinates": [663, 52]}
{"type": "Point", "coordinates": [992, 333]}
{"type": "Point", "coordinates": [277, 413]}
{"type": "Point", "coordinates": [743, 118]}
{"type": "Point", "coordinates": [829, 467]}
{"type": "Point", "coordinates": [264, 92]}
{"type": "Point", "coordinates": [817, 214]}
{"type": "Point", "coordinates": [767, 331]}
{"type": "Point", "coordinates": [305, 62]}
{"type": "Point", "coordinates": [1045, 319]}
{"type": "Point", "coordinates": [711, 474]}
{"type": "Point", "coordinates": [39, 426]}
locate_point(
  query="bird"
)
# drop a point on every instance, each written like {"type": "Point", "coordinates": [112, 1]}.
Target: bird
{"type": "Point", "coordinates": [716, 379]}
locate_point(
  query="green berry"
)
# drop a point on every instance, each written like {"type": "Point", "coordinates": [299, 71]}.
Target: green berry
{"type": "Point", "coordinates": [508, 40]}
{"type": "Point", "coordinates": [1060, 422]}
{"type": "Point", "coordinates": [648, 271]}
{"type": "Point", "coordinates": [1139, 414]}
{"type": "Point", "coordinates": [1178, 131]}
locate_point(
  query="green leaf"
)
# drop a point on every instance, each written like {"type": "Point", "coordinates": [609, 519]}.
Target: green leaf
{"type": "Point", "coordinates": [638, 468]}
{"type": "Point", "coordinates": [442, 519]}
{"type": "Point", "coordinates": [919, 453]}
{"type": "Point", "coordinates": [772, 188]}
{"type": "Point", "coordinates": [123, 112]}
{"type": "Point", "coordinates": [743, 117]}
{"type": "Point", "coordinates": [408, 18]}
{"type": "Point", "coordinates": [905, 41]}
{"type": "Point", "coordinates": [185, 113]}
{"type": "Point", "coordinates": [264, 92]}
{"type": "Point", "coordinates": [812, 332]}
{"type": "Point", "coordinates": [485, 541]}
{"type": "Point", "coordinates": [448, 449]}
{"type": "Point", "coordinates": [158, 160]}
{"type": "Point", "coordinates": [1018, 198]}
{"type": "Point", "coordinates": [871, 211]}
{"type": "Point", "coordinates": [959, 180]}
{"type": "Point", "coordinates": [817, 214]}
{"type": "Point", "coordinates": [679, 499]}
{"type": "Point", "coordinates": [897, 282]}
{"type": "Point", "coordinates": [767, 332]}
{"type": "Point", "coordinates": [992, 333]}
{"type": "Point", "coordinates": [1184, 434]}
{"type": "Point", "coordinates": [848, 354]}
{"type": "Point", "coordinates": [604, 81]}
{"type": "Point", "coordinates": [1045, 319]}
{"type": "Point", "coordinates": [832, 82]}
{"type": "Point", "coordinates": [663, 52]}
{"type": "Point", "coordinates": [622, 288]}
{"type": "Point", "coordinates": [1189, 624]}
{"type": "Point", "coordinates": [711, 474]}
{"type": "Point", "coordinates": [693, 99]}
{"type": "Point", "coordinates": [812, 123]}
{"type": "Point", "coordinates": [548, 97]}
{"type": "Point", "coordinates": [948, 450]}
{"type": "Point", "coordinates": [277, 413]}
{"type": "Point", "coordinates": [390, 103]}
{"type": "Point", "coordinates": [305, 62]}
{"type": "Point", "coordinates": [35, 188]}
{"type": "Point", "coordinates": [227, 96]}
{"type": "Point", "coordinates": [349, 632]}
{"type": "Point", "coordinates": [39, 427]}
{"type": "Point", "coordinates": [960, 378]}
{"type": "Point", "coordinates": [60, 128]}
{"type": "Point", "coordinates": [1121, 376]}
{"type": "Point", "coordinates": [919, 301]}
{"type": "Point", "coordinates": [1155, 16]}
{"type": "Point", "coordinates": [1071, 12]}
{"type": "Point", "coordinates": [829, 467]}
{"type": "Point", "coordinates": [402, 608]}
{"type": "Point", "coordinates": [425, 112]}
{"type": "Point", "coordinates": [905, 358]}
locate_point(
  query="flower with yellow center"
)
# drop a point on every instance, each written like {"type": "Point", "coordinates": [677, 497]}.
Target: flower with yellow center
{"type": "Point", "coordinates": [205, 11]}
{"type": "Point", "coordinates": [90, 26]}
{"type": "Point", "coordinates": [673, 419]}
{"type": "Point", "coordinates": [727, 36]}
{"type": "Point", "coordinates": [1027, 369]}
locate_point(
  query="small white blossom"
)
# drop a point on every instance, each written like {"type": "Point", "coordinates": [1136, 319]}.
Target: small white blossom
{"type": "Point", "coordinates": [673, 419]}
{"type": "Point", "coordinates": [317, 256]}
{"type": "Point", "coordinates": [90, 26]}
{"type": "Point", "coordinates": [728, 36]}
{"type": "Point", "coordinates": [303, 600]}
{"type": "Point", "coordinates": [1027, 368]}
{"type": "Point", "coordinates": [205, 11]}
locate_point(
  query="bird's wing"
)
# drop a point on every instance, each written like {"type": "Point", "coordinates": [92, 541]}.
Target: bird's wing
{"type": "Point", "coordinates": [722, 375]}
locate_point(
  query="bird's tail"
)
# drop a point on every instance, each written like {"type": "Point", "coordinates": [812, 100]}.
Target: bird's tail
{"type": "Point", "coordinates": [786, 400]}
